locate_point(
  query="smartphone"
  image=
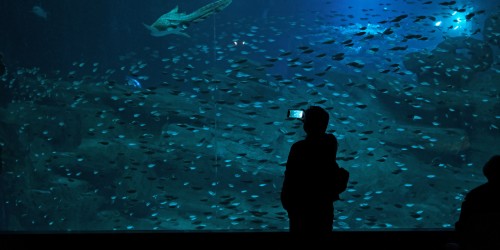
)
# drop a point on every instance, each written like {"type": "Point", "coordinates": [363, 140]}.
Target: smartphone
{"type": "Point", "coordinates": [296, 113]}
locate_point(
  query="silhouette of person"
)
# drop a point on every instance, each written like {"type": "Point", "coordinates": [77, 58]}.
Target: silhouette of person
{"type": "Point", "coordinates": [2, 65]}
{"type": "Point", "coordinates": [5, 90]}
{"type": "Point", "coordinates": [478, 226]}
{"type": "Point", "coordinates": [308, 187]}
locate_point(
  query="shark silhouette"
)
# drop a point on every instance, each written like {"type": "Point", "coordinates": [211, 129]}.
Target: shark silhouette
{"type": "Point", "coordinates": [175, 23]}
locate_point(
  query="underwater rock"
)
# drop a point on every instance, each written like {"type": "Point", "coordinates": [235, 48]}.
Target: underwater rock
{"type": "Point", "coordinates": [443, 140]}
{"type": "Point", "coordinates": [68, 133]}
{"type": "Point", "coordinates": [492, 29]}
{"type": "Point", "coordinates": [13, 153]}
{"type": "Point", "coordinates": [454, 61]}
{"type": "Point", "coordinates": [61, 129]}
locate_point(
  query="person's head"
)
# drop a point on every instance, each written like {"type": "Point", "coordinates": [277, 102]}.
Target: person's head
{"type": "Point", "coordinates": [315, 120]}
{"type": "Point", "coordinates": [492, 169]}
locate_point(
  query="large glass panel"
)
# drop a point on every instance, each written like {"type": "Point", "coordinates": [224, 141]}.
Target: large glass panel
{"type": "Point", "coordinates": [171, 115]}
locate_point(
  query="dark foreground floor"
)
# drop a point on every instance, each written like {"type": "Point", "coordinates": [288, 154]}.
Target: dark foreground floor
{"type": "Point", "coordinates": [425, 240]}
{"type": "Point", "coordinates": [422, 240]}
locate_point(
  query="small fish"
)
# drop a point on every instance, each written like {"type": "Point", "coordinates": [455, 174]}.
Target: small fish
{"type": "Point", "coordinates": [338, 57]}
{"type": "Point", "coordinates": [356, 65]}
{"type": "Point", "coordinates": [411, 36]}
{"type": "Point", "coordinates": [329, 41]}
{"type": "Point", "coordinates": [347, 42]}
{"type": "Point", "coordinates": [448, 3]}
{"type": "Point", "coordinates": [321, 55]}
{"type": "Point", "coordinates": [399, 48]}
{"type": "Point", "coordinates": [387, 31]}
{"type": "Point", "coordinates": [287, 53]}
{"type": "Point", "coordinates": [370, 36]}
{"type": "Point", "coordinates": [399, 18]}
{"type": "Point", "coordinates": [133, 82]}
{"type": "Point", "coordinates": [469, 16]}
{"type": "Point", "coordinates": [419, 18]}
{"type": "Point", "coordinates": [240, 61]}
{"type": "Point", "coordinates": [476, 31]}
{"type": "Point", "coordinates": [39, 11]}
{"type": "Point", "coordinates": [307, 51]}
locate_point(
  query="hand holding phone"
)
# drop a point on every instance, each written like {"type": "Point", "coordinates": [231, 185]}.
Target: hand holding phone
{"type": "Point", "coordinates": [296, 113]}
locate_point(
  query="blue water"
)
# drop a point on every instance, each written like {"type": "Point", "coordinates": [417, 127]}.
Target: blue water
{"type": "Point", "coordinates": [201, 143]}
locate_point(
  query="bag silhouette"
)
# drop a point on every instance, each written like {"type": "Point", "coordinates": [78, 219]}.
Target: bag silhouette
{"type": "Point", "coordinates": [341, 180]}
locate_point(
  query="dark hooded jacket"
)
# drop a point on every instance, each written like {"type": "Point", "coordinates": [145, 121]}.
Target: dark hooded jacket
{"type": "Point", "coordinates": [308, 190]}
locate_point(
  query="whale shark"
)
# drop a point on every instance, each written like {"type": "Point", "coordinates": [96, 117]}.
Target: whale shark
{"type": "Point", "coordinates": [175, 22]}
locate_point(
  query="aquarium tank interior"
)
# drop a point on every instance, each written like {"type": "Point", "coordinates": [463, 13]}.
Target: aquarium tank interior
{"type": "Point", "coordinates": [171, 115]}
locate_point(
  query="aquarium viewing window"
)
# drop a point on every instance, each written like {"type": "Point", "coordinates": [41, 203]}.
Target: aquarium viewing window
{"type": "Point", "coordinates": [172, 115]}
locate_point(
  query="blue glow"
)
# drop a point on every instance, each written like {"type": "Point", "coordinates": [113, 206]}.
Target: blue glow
{"type": "Point", "coordinates": [133, 82]}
